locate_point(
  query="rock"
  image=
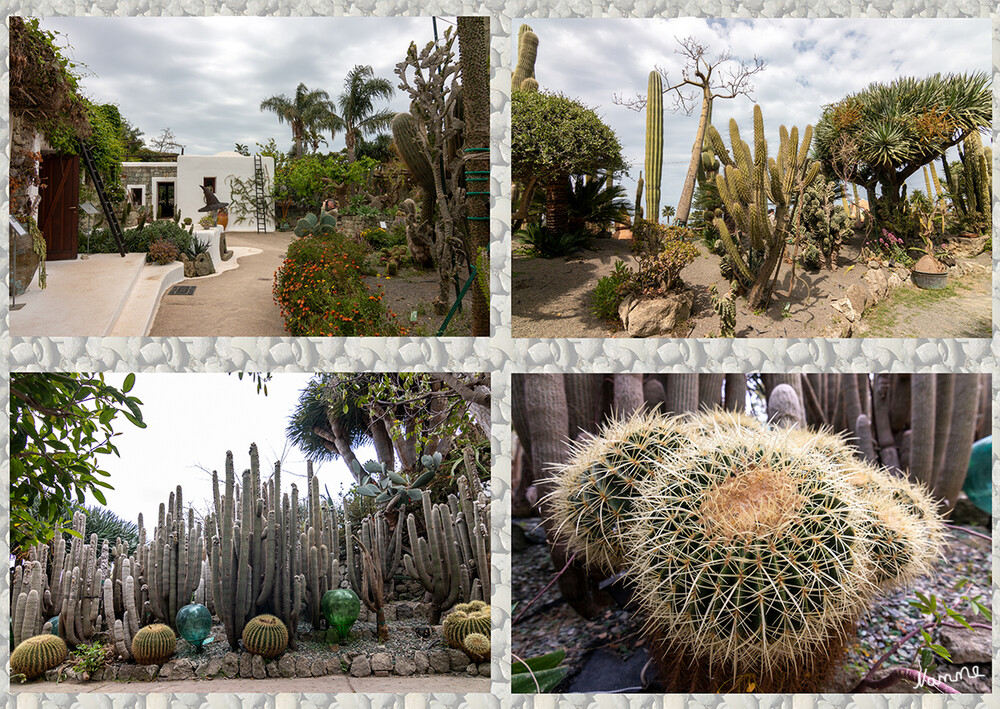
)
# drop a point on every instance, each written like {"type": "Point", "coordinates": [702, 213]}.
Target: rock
{"type": "Point", "coordinates": [967, 514]}
{"type": "Point", "coordinates": [440, 661]}
{"type": "Point", "coordinates": [858, 295]}
{"type": "Point", "coordinates": [381, 664]}
{"type": "Point", "coordinates": [421, 662]}
{"type": "Point", "coordinates": [390, 613]}
{"type": "Point", "coordinates": [97, 675]}
{"type": "Point", "coordinates": [147, 673]}
{"type": "Point", "coordinates": [224, 253]}
{"type": "Point", "coordinates": [651, 317]}
{"type": "Point", "coordinates": [423, 610]}
{"type": "Point", "coordinates": [318, 668]}
{"type": "Point", "coordinates": [124, 673]}
{"type": "Point", "coordinates": [472, 670]}
{"type": "Point", "coordinates": [303, 667]}
{"type": "Point", "coordinates": [967, 647]}
{"type": "Point", "coordinates": [272, 669]}
{"type": "Point", "coordinates": [188, 266]}
{"type": "Point", "coordinates": [459, 660]}
{"type": "Point", "coordinates": [246, 665]}
{"type": "Point", "coordinates": [177, 669]}
{"type": "Point", "coordinates": [333, 666]}
{"type": "Point", "coordinates": [485, 670]}
{"type": "Point", "coordinates": [257, 668]}
{"type": "Point", "coordinates": [405, 666]}
{"type": "Point", "coordinates": [210, 668]}
{"type": "Point", "coordinates": [203, 265]}
{"type": "Point", "coordinates": [286, 666]}
{"type": "Point", "coordinates": [404, 610]}
{"type": "Point", "coordinates": [110, 673]}
{"type": "Point", "coordinates": [231, 665]}
{"type": "Point", "coordinates": [360, 667]}
{"type": "Point", "coordinates": [894, 280]}
{"type": "Point", "coordinates": [878, 283]}
{"type": "Point", "coordinates": [845, 306]}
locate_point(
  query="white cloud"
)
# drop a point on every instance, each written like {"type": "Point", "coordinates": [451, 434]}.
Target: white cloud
{"type": "Point", "coordinates": [810, 63]}
{"type": "Point", "coordinates": [204, 77]}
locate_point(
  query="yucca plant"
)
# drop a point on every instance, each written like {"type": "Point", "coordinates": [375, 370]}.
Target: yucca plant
{"type": "Point", "coordinates": [753, 551]}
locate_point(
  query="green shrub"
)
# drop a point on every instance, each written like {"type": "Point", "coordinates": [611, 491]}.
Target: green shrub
{"type": "Point", "coordinates": [320, 291]}
{"type": "Point", "coordinates": [547, 244]}
{"type": "Point", "coordinates": [663, 252]}
{"type": "Point", "coordinates": [137, 240]}
{"type": "Point", "coordinates": [610, 291]}
{"type": "Point", "coordinates": [377, 238]}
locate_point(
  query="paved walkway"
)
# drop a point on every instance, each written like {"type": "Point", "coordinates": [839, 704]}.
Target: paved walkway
{"type": "Point", "coordinates": [233, 304]}
{"type": "Point", "coordinates": [332, 684]}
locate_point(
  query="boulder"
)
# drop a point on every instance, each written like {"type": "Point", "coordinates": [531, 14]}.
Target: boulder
{"type": "Point", "coordinates": [203, 265]}
{"type": "Point", "coordinates": [459, 660]}
{"type": "Point", "coordinates": [188, 266]}
{"type": "Point", "coordinates": [381, 664]}
{"type": "Point", "coordinates": [224, 253]}
{"type": "Point", "coordinates": [485, 670]}
{"type": "Point", "coordinates": [333, 666]}
{"type": "Point", "coordinates": [404, 610]}
{"type": "Point", "coordinates": [844, 305]}
{"type": "Point", "coordinates": [858, 295]}
{"type": "Point", "coordinates": [231, 665]}
{"type": "Point", "coordinates": [286, 666]}
{"type": "Point", "coordinates": [257, 668]}
{"type": "Point", "coordinates": [147, 673]}
{"type": "Point", "coordinates": [878, 283]}
{"type": "Point", "coordinates": [177, 669]}
{"type": "Point", "coordinates": [318, 668]}
{"type": "Point", "coordinates": [421, 662]}
{"type": "Point", "coordinates": [405, 666]}
{"type": "Point", "coordinates": [272, 669]}
{"type": "Point", "coordinates": [303, 666]}
{"type": "Point", "coordinates": [440, 661]}
{"type": "Point", "coordinates": [967, 646]}
{"type": "Point", "coordinates": [653, 317]}
{"type": "Point", "coordinates": [360, 667]}
{"type": "Point", "coordinates": [210, 668]}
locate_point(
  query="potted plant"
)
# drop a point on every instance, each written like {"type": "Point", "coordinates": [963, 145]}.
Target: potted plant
{"type": "Point", "coordinates": [928, 272]}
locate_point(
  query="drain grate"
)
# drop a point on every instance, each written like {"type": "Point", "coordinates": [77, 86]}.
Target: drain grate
{"type": "Point", "coordinates": [182, 290]}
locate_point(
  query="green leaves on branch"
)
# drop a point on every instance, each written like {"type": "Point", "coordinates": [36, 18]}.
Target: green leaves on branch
{"type": "Point", "coordinates": [59, 423]}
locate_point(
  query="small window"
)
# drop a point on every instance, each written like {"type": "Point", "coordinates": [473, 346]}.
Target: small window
{"type": "Point", "coordinates": [209, 182]}
{"type": "Point", "coordinates": [137, 196]}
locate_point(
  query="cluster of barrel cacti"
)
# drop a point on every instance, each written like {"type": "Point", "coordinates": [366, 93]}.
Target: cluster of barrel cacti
{"type": "Point", "coordinates": [749, 186]}
{"type": "Point", "coordinates": [467, 628]}
{"type": "Point", "coordinates": [752, 551]}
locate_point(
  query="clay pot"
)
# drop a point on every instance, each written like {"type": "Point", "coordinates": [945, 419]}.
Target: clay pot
{"type": "Point", "coordinates": [929, 273]}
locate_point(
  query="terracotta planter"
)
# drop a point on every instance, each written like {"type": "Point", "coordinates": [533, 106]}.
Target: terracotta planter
{"type": "Point", "coordinates": [929, 273]}
{"type": "Point", "coordinates": [222, 219]}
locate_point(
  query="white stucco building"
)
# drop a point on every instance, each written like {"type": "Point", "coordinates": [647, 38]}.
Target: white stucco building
{"type": "Point", "coordinates": [168, 186]}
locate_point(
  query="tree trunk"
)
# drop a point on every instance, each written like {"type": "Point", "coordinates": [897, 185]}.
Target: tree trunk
{"type": "Point", "coordinates": [474, 49]}
{"type": "Point", "coordinates": [736, 392]}
{"type": "Point", "coordinates": [556, 204]}
{"type": "Point", "coordinates": [687, 193]}
{"type": "Point", "coordinates": [759, 295]}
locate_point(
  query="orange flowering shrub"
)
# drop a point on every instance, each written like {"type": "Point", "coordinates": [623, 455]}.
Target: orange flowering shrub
{"type": "Point", "coordinates": [321, 293]}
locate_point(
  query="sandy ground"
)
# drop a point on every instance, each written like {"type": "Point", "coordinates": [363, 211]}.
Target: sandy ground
{"type": "Point", "coordinates": [333, 684]}
{"type": "Point", "coordinates": [551, 298]}
{"type": "Point", "coordinates": [410, 295]}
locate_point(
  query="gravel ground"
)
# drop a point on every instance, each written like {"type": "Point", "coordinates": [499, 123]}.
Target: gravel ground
{"type": "Point", "coordinates": [550, 624]}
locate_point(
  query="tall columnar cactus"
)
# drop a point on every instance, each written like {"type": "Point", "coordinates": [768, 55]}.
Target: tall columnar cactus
{"type": "Point", "coordinates": [173, 565]}
{"type": "Point", "coordinates": [753, 551]}
{"type": "Point", "coordinates": [654, 144]}
{"type": "Point", "coordinates": [471, 513]}
{"type": "Point", "coordinates": [375, 535]}
{"type": "Point", "coordinates": [972, 194]}
{"type": "Point", "coordinates": [748, 187]}
{"type": "Point", "coordinates": [319, 548]}
{"type": "Point", "coordinates": [79, 617]}
{"type": "Point", "coordinates": [256, 562]}
{"type": "Point", "coordinates": [527, 49]}
{"type": "Point", "coordinates": [638, 198]}
{"type": "Point", "coordinates": [435, 561]}
{"type": "Point", "coordinates": [27, 612]}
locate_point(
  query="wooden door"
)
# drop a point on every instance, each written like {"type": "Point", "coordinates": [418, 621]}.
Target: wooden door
{"type": "Point", "coordinates": [57, 213]}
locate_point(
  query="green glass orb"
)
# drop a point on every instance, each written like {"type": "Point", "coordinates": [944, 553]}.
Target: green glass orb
{"type": "Point", "coordinates": [55, 624]}
{"type": "Point", "coordinates": [340, 608]}
{"type": "Point", "coordinates": [194, 623]}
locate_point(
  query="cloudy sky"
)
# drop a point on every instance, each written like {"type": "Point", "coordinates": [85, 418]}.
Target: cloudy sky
{"type": "Point", "coordinates": [191, 421]}
{"type": "Point", "coordinates": [204, 78]}
{"type": "Point", "coordinates": [810, 63]}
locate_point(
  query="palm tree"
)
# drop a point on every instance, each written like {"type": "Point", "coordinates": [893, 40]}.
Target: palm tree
{"type": "Point", "coordinates": [357, 106]}
{"type": "Point", "coordinates": [307, 113]}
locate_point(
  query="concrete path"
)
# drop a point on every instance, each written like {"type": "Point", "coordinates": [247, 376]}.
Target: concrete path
{"type": "Point", "coordinates": [332, 684]}
{"type": "Point", "coordinates": [233, 304]}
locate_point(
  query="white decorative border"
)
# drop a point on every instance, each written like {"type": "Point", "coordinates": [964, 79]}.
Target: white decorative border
{"type": "Point", "coordinates": [499, 354]}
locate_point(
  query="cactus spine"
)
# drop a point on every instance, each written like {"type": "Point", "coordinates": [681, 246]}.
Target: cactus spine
{"type": "Point", "coordinates": [153, 644]}
{"type": "Point", "coordinates": [527, 49]}
{"type": "Point", "coordinates": [753, 551]}
{"type": "Point", "coordinates": [748, 186]}
{"type": "Point", "coordinates": [477, 647]}
{"type": "Point", "coordinates": [465, 619]}
{"type": "Point", "coordinates": [654, 144]}
{"type": "Point", "coordinates": [266, 636]}
{"type": "Point", "coordinates": [37, 654]}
